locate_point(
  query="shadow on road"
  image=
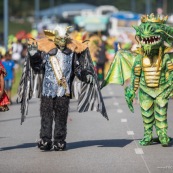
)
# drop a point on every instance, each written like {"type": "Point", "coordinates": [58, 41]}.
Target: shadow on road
{"type": "Point", "coordinates": [25, 145]}
{"type": "Point", "coordinates": [108, 97]}
{"type": "Point", "coordinates": [79, 144]}
{"type": "Point", "coordinates": [18, 119]}
{"type": "Point", "coordinates": [100, 143]}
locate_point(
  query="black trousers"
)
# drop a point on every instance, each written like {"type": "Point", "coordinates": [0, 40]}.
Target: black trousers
{"type": "Point", "coordinates": [54, 109]}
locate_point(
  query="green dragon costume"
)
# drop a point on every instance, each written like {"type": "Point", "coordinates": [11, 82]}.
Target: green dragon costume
{"type": "Point", "coordinates": [151, 72]}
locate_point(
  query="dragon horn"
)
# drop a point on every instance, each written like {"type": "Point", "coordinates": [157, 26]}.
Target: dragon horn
{"type": "Point", "coordinates": [49, 31]}
{"type": "Point", "coordinates": [50, 34]}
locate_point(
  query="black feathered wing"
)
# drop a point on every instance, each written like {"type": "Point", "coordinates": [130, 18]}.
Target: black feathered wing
{"type": "Point", "coordinates": [29, 87]}
{"type": "Point", "coordinates": [90, 98]}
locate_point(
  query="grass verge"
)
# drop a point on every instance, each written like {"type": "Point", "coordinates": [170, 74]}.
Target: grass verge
{"type": "Point", "coordinates": [18, 73]}
{"type": "Point", "coordinates": [15, 27]}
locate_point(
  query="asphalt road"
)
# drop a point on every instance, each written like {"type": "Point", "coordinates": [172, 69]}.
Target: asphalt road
{"type": "Point", "coordinates": [94, 145]}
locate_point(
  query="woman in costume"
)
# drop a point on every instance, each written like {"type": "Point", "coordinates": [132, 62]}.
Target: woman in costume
{"type": "Point", "coordinates": [4, 101]}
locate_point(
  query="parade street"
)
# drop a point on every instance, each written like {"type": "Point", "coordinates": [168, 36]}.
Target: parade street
{"type": "Point", "coordinates": [94, 145]}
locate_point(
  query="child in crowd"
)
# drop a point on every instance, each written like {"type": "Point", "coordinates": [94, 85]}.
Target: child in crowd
{"type": "Point", "coordinates": [9, 64]}
{"type": "Point", "coordinates": [4, 101]}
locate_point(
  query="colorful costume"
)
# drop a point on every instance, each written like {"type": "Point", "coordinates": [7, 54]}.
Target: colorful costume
{"type": "Point", "coordinates": [151, 70]}
{"type": "Point", "coordinates": [4, 101]}
{"type": "Point", "coordinates": [49, 70]}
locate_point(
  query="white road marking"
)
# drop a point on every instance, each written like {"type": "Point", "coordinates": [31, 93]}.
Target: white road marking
{"type": "Point", "coordinates": [119, 111]}
{"type": "Point", "coordinates": [123, 120]}
{"type": "Point", "coordinates": [139, 151]}
{"type": "Point", "coordinates": [111, 93]}
{"type": "Point", "coordinates": [116, 104]}
{"type": "Point", "coordinates": [130, 132]}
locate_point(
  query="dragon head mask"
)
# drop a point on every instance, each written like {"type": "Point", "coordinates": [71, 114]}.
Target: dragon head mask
{"type": "Point", "coordinates": [153, 33]}
{"type": "Point", "coordinates": [59, 36]}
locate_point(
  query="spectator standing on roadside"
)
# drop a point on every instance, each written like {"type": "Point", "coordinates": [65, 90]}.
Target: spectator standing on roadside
{"type": "Point", "coordinates": [9, 64]}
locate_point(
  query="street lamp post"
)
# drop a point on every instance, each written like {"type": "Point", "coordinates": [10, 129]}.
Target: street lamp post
{"type": "Point", "coordinates": [165, 4]}
{"type": "Point", "coordinates": [133, 5]}
{"type": "Point", "coordinates": [52, 3]}
{"type": "Point", "coordinates": [148, 6]}
{"type": "Point", "coordinates": [6, 24]}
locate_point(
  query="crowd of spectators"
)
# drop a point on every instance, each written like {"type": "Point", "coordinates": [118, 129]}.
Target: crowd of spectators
{"type": "Point", "coordinates": [12, 59]}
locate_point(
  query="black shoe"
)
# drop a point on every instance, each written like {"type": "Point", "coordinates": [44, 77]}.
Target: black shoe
{"type": "Point", "coordinates": [43, 145]}
{"type": "Point", "coordinates": [59, 146]}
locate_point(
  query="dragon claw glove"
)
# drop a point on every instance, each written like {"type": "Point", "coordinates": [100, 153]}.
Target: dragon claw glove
{"type": "Point", "coordinates": [90, 79]}
{"type": "Point", "coordinates": [129, 96]}
{"type": "Point", "coordinates": [32, 49]}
